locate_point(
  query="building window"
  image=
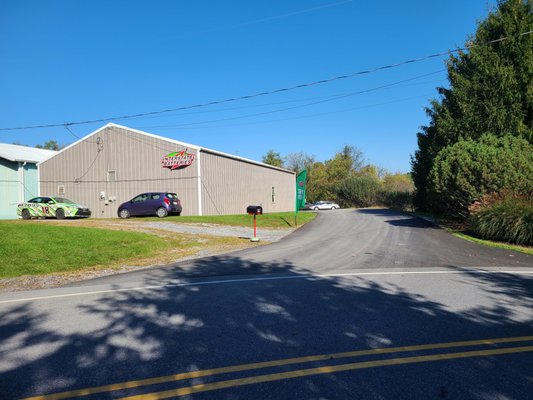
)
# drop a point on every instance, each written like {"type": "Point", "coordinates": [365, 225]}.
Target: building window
{"type": "Point", "coordinates": [273, 194]}
{"type": "Point", "coordinates": [111, 176]}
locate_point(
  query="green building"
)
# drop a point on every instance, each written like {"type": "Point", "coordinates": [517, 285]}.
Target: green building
{"type": "Point", "coordinates": [19, 176]}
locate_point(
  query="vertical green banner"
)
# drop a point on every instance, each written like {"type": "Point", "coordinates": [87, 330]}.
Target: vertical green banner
{"type": "Point", "coordinates": [301, 182]}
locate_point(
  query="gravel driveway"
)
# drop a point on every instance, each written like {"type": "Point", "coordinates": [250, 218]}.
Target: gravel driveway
{"type": "Point", "coordinates": [268, 235]}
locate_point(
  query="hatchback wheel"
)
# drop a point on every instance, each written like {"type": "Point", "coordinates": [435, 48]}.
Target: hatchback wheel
{"type": "Point", "coordinates": [124, 213]}
{"type": "Point", "coordinates": [26, 214]}
{"type": "Point", "coordinates": [161, 212]}
{"type": "Point", "coordinates": [333, 208]}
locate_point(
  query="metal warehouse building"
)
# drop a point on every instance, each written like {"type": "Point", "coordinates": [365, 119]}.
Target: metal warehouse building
{"type": "Point", "coordinates": [19, 179]}
{"type": "Point", "coordinates": [114, 163]}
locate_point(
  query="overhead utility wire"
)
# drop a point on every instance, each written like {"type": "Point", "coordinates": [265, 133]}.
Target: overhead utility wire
{"type": "Point", "coordinates": [394, 84]}
{"type": "Point", "coordinates": [329, 96]}
{"type": "Point", "coordinates": [266, 93]}
{"type": "Point", "coordinates": [240, 107]}
{"type": "Point", "coordinates": [266, 19]}
{"type": "Point", "coordinates": [337, 97]}
{"type": "Point", "coordinates": [268, 121]}
{"type": "Point", "coordinates": [304, 105]}
{"type": "Point", "coordinates": [325, 100]}
{"type": "Point", "coordinates": [76, 136]}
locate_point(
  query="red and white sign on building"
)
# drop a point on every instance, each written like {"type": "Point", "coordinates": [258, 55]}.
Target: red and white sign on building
{"type": "Point", "coordinates": [177, 160]}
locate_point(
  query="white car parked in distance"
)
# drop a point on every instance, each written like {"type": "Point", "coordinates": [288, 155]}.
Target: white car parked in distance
{"type": "Point", "coordinates": [324, 205]}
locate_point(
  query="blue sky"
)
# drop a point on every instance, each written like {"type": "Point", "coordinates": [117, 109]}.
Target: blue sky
{"type": "Point", "coordinates": [63, 61]}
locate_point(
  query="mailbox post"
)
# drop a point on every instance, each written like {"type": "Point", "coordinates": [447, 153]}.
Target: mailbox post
{"type": "Point", "coordinates": [254, 210]}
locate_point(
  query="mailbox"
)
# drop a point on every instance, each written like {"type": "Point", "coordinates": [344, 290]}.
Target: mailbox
{"type": "Point", "coordinates": [254, 210]}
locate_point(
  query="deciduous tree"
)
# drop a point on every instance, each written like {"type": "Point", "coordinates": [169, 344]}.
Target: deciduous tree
{"type": "Point", "coordinates": [49, 145]}
{"type": "Point", "coordinates": [299, 161]}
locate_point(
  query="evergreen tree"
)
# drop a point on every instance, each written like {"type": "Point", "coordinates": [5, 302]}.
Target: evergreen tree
{"type": "Point", "coordinates": [273, 158]}
{"type": "Point", "coordinates": [464, 172]}
{"type": "Point", "coordinates": [491, 90]}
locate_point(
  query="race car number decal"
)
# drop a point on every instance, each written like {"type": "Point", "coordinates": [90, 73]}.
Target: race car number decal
{"type": "Point", "coordinates": [46, 210]}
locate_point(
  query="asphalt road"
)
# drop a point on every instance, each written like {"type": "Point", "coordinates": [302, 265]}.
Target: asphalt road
{"type": "Point", "coordinates": [366, 304]}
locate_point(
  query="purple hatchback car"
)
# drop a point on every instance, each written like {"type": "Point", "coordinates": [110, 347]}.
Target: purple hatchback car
{"type": "Point", "coordinates": [153, 203]}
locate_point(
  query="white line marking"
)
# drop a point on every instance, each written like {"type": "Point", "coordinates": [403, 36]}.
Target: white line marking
{"type": "Point", "coordinates": [244, 280]}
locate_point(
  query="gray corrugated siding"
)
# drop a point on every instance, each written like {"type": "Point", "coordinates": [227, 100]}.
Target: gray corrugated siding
{"type": "Point", "coordinates": [229, 186]}
{"type": "Point", "coordinates": [136, 158]}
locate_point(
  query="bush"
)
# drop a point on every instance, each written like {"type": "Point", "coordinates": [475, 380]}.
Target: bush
{"type": "Point", "coordinates": [464, 172]}
{"type": "Point", "coordinates": [397, 199]}
{"type": "Point", "coordinates": [359, 191]}
{"type": "Point", "coordinates": [509, 220]}
{"type": "Point", "coordinates": [366, 191]}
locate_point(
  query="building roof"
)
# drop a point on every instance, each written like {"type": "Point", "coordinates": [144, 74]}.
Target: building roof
{"type": "Point", "coordinates": [14, 152]}
{"type": "Point", "coordinates": [192, 146]}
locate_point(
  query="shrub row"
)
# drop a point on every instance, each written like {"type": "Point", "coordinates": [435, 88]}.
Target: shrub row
{"type": "Point", "coordinates": [365, 191]}
{"type": "Point", "coordinates": [397, 200]}
{"type": "Point", "coordinates": [509, 220]}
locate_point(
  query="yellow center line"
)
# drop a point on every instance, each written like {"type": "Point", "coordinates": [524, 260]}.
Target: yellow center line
{"type": "Point", "coordinates": [266, 364]}
{"type": "Point", "coordinates": [322, 370]}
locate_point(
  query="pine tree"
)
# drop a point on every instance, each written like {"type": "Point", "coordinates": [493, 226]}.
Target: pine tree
{"type": "Point", "coordinates": [273, 158]}
{"type": "Point", "coordinates": [491, 90]}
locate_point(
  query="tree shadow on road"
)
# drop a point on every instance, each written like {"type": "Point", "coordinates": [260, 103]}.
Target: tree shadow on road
{"type": "Point", "coordinates": [170, 329]}
{"type": "Point", "coordinates": [400, 218]}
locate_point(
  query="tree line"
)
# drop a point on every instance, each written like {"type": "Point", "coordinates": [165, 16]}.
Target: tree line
{"type": "Point", "coordinates": [347, 179]}
{"type": "Point", "coordinates": [48, 145]}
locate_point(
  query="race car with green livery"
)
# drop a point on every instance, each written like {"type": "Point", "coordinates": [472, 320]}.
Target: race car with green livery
{"type": "Point", "coordinates": [52, 207]}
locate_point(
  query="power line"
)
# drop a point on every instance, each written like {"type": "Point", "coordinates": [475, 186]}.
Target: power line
{"type": "Point", "coordinates": [300, 100]}
{"type": "Point", "coordinates": [241, 107]}
{"type": "Point", "coordinates": [266, 19]}
{"type": "Point", "coordinates": [72, 133]}
{"type": "Point", "coordinates": [99, 148]}
{"type": "Point", "coordinates": [76, 136]}
{"type": "Point", "coordinates": [265, 93]}
{"type": "Point", "coordinates": [337, 97]}
{"type": "Point", "coordinates": [296, 117]}
{"type": "Point", "coordinates": [209, 195]}
{"type": "Point", "coordinates": [328, 97]}
{"type": "Point", "coordinates": [27, 190]}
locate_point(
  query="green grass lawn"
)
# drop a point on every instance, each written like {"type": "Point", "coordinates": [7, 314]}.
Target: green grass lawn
{"type": "Point", "coordinates": [35, 249]}
{"type": "Point", "coordinates": [490, 243]}
{"type": "Point", "coordinates": [272, 220]}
